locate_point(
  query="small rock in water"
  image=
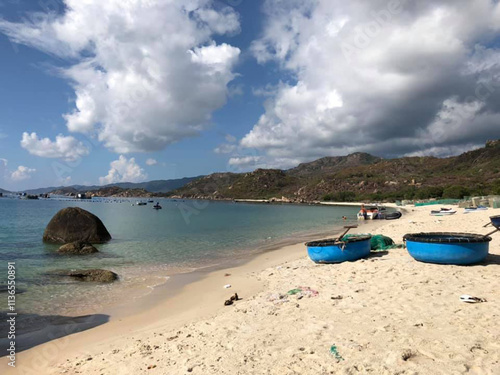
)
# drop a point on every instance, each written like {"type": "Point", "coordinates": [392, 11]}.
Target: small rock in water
{"type": "Point", "coordinates": [78, 248]}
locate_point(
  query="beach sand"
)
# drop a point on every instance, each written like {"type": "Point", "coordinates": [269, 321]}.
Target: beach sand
{"type": "Point", "coordinates": [386, 314]}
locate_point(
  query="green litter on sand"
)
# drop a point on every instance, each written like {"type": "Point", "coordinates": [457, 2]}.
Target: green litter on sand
{"type": "Point", "coordinates": [294, 291]}
{"type": "Point", "coordinates": [335, 353]}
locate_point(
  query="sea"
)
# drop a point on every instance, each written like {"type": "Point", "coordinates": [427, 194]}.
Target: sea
{"type": "Point", "coordinates": [148, 246]}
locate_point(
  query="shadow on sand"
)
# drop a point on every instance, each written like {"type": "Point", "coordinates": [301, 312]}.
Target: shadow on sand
{"type": "Point", "coordinates": [34, 329]}
{"type": "Point", "coordinates": [490, 259]}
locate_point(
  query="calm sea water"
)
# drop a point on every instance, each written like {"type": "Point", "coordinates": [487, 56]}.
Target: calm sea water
{"type": "Point", "coordinates": [147, 245]}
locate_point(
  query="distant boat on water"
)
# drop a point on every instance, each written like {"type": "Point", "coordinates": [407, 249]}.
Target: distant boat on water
{"type": "Point", "coordinates": [141, 204]}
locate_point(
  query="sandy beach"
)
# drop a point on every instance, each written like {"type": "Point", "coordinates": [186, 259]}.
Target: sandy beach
{"type": "Point", "coordinates": [386, 314]}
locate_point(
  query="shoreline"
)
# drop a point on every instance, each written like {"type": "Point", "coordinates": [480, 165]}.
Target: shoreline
{"type": "Point", "coordinates": [99, 325]}
{"type": "Point", "coordinates": [196, 312]}
{"type": "Point", "coordinates": [133, 282]}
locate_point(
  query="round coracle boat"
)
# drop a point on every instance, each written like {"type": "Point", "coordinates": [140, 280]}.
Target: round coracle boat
{"type": "Point", "coordinates": [335, 251]}
{"type": "Point", "coordinates": [448, 248]}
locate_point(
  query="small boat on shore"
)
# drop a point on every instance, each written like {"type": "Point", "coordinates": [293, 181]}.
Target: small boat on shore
{"type": "Point", "coordinates": [475, 209]}
{"type": "Point", "coordinates": [443, 212]}
{"type": "Point", "coordinates": [447, 248]}
{"type": "Point", "coordinates": [372, 215]}
{"type": "Point", "coordinates": [495, 220]}
{"type": "Point", "coordinates": [335, 250]}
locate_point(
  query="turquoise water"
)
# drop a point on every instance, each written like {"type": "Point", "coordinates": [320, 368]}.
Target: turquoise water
{"type": "Point", "coordinates": [147, 245]}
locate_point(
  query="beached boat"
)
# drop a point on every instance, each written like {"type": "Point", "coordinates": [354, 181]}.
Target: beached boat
{"type": "Point", "coordinates": [443, 212]}
{"type": "Point", "coordinates": [447, 248]}
{"type": "Point", "coordinates": [475, 209]}
{"type": "Point", "coordinates": [334, 251]}
{"type": "Point", "coordinates": [380, 215]}
{"type": "Point", "coordinates": [495, 221]}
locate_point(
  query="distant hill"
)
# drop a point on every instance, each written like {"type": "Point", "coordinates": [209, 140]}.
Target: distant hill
{"type": "Point", "coordinates": [333, 164]}
{"type": "Point", "coordinates": [4, 191]}
{"type": "Point", "coordinates": [157, 186]}
{"type": "Point", "coordinates": [360, 176]}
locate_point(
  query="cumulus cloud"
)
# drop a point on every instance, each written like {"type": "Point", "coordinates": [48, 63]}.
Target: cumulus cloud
{"type": "Point", "coordinates": [151, 162]}
{"type": "Point", "coordinates": [67, 148]}
{"type": "Point", "coordinates": [145, 73]}
{"type": "Point", "coordinates": [22, 173]}
{"type": "Point", "coordinates": [124, 170]}
{"type": "Point", "coordinates": [388, 77]}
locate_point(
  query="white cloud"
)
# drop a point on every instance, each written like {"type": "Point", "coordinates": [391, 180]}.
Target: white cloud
{"type": "Point", "coordinates": [244, 161]}
{"type": "Point", "coordinates": [151, 162]}
{"type": "Point", "coordinates": [387, 77]}
{"type": "Point", "coordinates": [124, 170]}
{"type": "Point", "coordinates": [145, 73]}
{"type": "Point", "coordinates": [22, 173]}
{"type": "Point", "coordinates": [67, 148]}
{"type": "Point", "coordinates": [225, 148]}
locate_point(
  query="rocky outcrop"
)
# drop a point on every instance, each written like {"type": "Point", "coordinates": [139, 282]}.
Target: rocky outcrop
{"type": "Point", "coordinates": [78, 248]}
{"type": "Point", "coordinates": [75, 224]}
{"type": "Point", "coordinates": [94, 275]}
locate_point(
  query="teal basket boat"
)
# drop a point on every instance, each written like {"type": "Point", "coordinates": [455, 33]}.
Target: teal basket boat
{"type": "Point", "coordinates": [335, 251]}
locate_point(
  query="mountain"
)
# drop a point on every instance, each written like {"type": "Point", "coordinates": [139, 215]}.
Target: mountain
{"type": "Point", "coordinates": [333, 164]}
{"type": "Point", "coordinates": [157, 186]}
{"type": "Point", "coordinates": [360, 176]}
{"type": "Point", "coordinates": [4, 191]}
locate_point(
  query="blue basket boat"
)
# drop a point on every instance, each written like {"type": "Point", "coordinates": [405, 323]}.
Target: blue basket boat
{"type": "Point", "coordinates": [495, 220]}
{"type": "Point", "coordinates": [448, 248]}
{"type": "Point", "coordinates": [333, 251]}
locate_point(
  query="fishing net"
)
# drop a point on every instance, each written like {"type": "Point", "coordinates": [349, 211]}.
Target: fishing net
{"type": "Point", "coordinates": [378, 242]}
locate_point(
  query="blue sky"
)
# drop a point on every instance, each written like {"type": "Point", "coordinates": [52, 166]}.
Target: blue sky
{"type": "Point", "coordinates": [236, 85]}
{"type": "Point", "coordinates": [34, 98]}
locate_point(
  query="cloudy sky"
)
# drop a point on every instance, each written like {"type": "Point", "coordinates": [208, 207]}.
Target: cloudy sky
{"type": "Point", "coordinates": [96, 92]}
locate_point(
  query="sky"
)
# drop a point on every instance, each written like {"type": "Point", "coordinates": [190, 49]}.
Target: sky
{"type": "Point", "coordinates": [97, 92]}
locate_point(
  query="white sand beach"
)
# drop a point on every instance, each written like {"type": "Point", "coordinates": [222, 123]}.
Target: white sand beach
{"type": "Point", "coordinates": [387, 314]}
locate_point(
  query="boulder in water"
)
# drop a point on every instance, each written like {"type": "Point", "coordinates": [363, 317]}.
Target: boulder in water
{"type": "Point", "coordinates": [78, 248]}
{"type": "Point", "coordinates": [75, 224]}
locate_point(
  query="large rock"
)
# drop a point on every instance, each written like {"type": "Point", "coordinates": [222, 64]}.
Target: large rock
{"type": "Point", "coordinates": [75, 224]}
{"type": "Point", "coordinates": [78, 248]}
{"type": "Point", "coordinates": [95, 275]}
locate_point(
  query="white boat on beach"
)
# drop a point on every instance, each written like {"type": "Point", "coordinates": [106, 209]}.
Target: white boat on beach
{"type": "Point", "coordinates": [443, 212]}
